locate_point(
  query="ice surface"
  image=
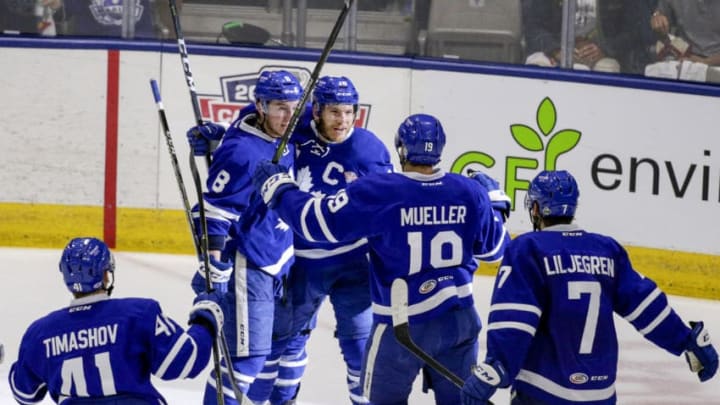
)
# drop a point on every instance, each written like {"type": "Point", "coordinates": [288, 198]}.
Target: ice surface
{"type": "Point", "coordinates": [31, 286]}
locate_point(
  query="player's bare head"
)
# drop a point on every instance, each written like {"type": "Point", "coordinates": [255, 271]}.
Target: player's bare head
{"type": "Point", "coordinates": [335, 104]}
{"type": "Point", "coordinates": [552, 198]}
{"type": "Point", "coordinates": [277, 93]}
{"type": "Point", "coordinates": [420, 140]}
{"type": "Point", "coordinates": [87, 266]}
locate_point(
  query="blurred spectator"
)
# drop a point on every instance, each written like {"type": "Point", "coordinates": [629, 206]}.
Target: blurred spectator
{"type": "Point", "coordinates": [689, 39]}
{"type": "Point", "coordinates": [629, 38]}
{"type": "Point", "coordinates": [542, 22]}
{"type": "Point", "coordinates": [26, 16]}
{"type": "Point", "coordinates": [151, 18]}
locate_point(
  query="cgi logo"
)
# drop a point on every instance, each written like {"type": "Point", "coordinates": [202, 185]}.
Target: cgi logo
{"type": "Point", "coordinates": [548, 140]}
{"type": "Point", "coordinates": [238, 90]}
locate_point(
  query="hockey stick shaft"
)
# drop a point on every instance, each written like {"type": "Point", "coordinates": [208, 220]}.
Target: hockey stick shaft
{"type": "Point", "coordinates": [203, 242]}
{"type": "Point", "coordinates": [185, 60]}
{"type": "Point", "coordinates": [313, 79]}
{"type": "Point", "coordinates": [401, 329]}
{"type": "Point", "coordinates": [198, 248]}
{"type": "Point", "coordinates": [173, 159]}
{"type": "Point", "coordinates": [186, 203]}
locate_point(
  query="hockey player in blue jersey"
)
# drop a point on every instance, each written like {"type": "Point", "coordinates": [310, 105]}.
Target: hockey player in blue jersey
{"type": "Point", "coordinates": [551, 334]}
{"type": "Point", "coordinates": [423, 225]}
{"type": "Point", "coordinates": [330, 154]}
{"type": "Point", "coordinates": [250, 247]}
{"type": "Point", "coordinates": [102, 351]}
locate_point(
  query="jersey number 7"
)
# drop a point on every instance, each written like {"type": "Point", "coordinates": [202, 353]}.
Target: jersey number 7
{"type": "Point", "coordinates": [575, 290]}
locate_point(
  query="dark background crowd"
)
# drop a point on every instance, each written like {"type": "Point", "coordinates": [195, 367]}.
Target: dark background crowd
{"type": "Point", "coordinates": [663, 38]}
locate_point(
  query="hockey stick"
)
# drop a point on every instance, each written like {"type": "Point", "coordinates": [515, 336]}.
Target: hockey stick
{"type": "Point", "coordinates": [182, 49]}
{"type": "Point", "coordinates": [313, 78]}
{"type": "Point", "coordinates": [198, 248]}
{"type": "Point", "coordinates": [203, 242]}
{"type": "Point", "coordinates": [173, 159]}
{"type": "Point", "coordinates": [401, 329]}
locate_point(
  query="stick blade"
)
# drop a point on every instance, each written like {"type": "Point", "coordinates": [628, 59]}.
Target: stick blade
{"type": "Point", "coordinates": [399, 302]}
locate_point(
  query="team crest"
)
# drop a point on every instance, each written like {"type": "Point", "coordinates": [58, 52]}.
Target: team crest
{"type": "Point", "coordinates": [110, 12]}
{"type": "Point", "coordinates": [427, 286]}
{"type": "Point", "coordinates": [238, 90]}
{"type": "Point", "coordinates": [579, 378]}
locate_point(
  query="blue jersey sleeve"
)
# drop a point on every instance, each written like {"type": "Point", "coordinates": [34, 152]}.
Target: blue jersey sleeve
{"type": "Point", "coordinates": [639, 300]}
{"type": "Point", "coordinates": [27, 386]}
{"type": "Point", "coordinates": [177, 353]}
{"type": "Point", "coordinates": [516, 308]}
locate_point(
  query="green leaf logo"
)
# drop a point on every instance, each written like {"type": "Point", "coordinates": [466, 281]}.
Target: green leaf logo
{"type": "Point", "coordinates": [546, 116]}
{"type": "Point", "coordinates": [545, 138]}
{"type": "Point", "coordinates": [557, 144]}
{"type": "Point", "coordinates": [563, 141]}
{"type": "Point", "coordinates": [526, 137]}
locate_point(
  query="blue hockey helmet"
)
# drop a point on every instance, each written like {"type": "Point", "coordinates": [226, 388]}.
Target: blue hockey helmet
{"type": "Point", "coordinates": [84, 263]}
{"type": "Point", "coordinates": [556, 193]}
{"type": "Point", "coordinates": [335, 90]}
{"type": "Point", "coordinates": [420, 140]}
{"type": "Point", "coordinates": [277, 85]}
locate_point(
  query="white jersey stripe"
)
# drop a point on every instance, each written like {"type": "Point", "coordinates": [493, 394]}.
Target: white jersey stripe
{"type": "Point", "coordinates": [498, 244]}
{"type": "Point", "coordinates": [274, 269]}
{"type": "Point", "coordinates": [567, 394]}
{"type": "Point", "coordinates": [323, 224]}
{"type": "Point", "coordinates": [643, 305]}
{"type": "Point", "coordinates": [516, 307]}
{"type": "Point", "coordinates": [170, 357]}
{"type": "Point", "coordinates": [21, 396]}
{"type": "Point", "coordinates": [664, 314]}
{"type": "Point", "coordinates": [323, 253]}
{"type": "Point", "coordinates": [429, 304]}
{"type": "Point", "coordinates": [282, 382]}
{"type": "Point", "coordinates": [267, 376]}
{"type": "Point", "coordinates": [212, 211]}
{"type": "Point", "coordinates": [512, 325]}
{"type": "Point", "coordinates": [303, 219]}
{"type": "Point", "coordinates": [294, 363]}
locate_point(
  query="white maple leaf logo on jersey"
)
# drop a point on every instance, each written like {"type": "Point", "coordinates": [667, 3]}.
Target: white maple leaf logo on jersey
{"type": "Point", "coordinates": [304, 179]}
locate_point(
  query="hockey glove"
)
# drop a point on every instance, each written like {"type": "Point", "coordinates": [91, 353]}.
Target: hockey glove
{"type": "Point", "coordinates": [204, 139]}
{"type": "Point", "coordinates": [499, 200]}
{"type": "Point", "coordinates": [271, 180]}
{"type": "Point", "coordinates": [700, 353]}
{"type": "Point", "coordinates": [206, 311]}
{"type": "Point", "coordinates": [220, 273]}
{"type": "Point", "coordinates": [484, 381]}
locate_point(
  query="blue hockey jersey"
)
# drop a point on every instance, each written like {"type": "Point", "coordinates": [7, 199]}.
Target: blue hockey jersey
{"type": "Point", "coordinates": [428, 229]}
{"type": "Point", "coordinates": [551, 319]}
{"type": "Point", "coordinates": [235, 210]}
{"type": "Point", "coordinates": [323, 168]}
{"type": "Point", "coordinates": [101, 347]}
